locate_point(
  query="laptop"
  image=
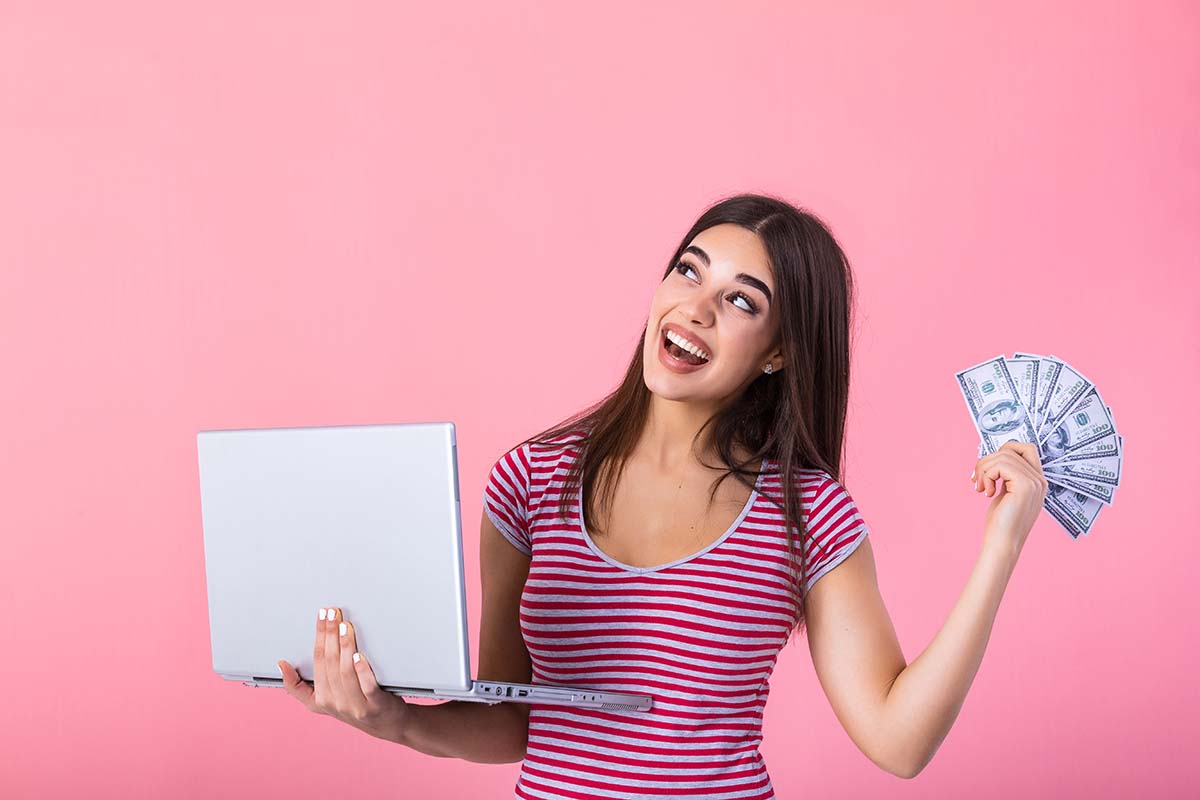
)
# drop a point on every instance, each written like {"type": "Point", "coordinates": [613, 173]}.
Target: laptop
{"type": "Point", "coordinates": [362, 517]}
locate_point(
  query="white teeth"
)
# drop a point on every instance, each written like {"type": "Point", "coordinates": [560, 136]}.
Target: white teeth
{"type": "Point", "coordinates": [686, 345]}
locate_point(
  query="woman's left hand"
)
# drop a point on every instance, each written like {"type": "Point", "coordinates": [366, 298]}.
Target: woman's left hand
{"type": "Point", "coordinates": [1013, 475]}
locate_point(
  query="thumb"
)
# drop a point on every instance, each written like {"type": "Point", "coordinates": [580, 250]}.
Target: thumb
{"type": "Point", "coordinates": [294, 684]}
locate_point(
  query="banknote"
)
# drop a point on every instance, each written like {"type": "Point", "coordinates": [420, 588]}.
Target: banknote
{"type": "Point", "coordinates": [1076, 513]}
{"type": "Point", "coordinates": [996, 407]}
{"type": "Point", "coordinates": [1043, 400]}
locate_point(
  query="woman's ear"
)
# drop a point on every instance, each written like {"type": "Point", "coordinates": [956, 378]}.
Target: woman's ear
{"type": "Point", "coordinates": [776, 359]}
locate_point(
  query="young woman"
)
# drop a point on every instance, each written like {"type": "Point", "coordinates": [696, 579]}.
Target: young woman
{"type": "Point", "coordinates": [616, 554]}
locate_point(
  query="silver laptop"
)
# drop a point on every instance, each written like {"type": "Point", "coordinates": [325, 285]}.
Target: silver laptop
{"type": "Point", "coordinates": [362, 517]}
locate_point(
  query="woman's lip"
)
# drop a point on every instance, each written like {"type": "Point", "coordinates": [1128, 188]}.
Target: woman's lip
{"type": "Point", "coordinates": [671, 362]}
{"type": "Point", "coordinates": [690, 336]}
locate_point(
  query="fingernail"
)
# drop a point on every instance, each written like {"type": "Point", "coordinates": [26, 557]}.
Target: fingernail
{"type": "Point", "coordinates": [342, 629]}
{"type": "Point", "coordinates": [356, 658]}
{"type": "Point", "coordinates": [321, 614]}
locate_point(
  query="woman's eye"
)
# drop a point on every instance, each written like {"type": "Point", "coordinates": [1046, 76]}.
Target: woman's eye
{"type": "Point", "coordinates": [752, 307]}
{"type": "Point", "coordinates": [682, 265]}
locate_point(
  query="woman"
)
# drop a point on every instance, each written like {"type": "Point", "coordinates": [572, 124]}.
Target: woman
{"type": "Point", "coordinates": [615, 554]}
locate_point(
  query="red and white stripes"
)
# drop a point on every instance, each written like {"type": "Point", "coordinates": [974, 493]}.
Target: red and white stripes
{"type": "Point", "coordinates": [700, 634]}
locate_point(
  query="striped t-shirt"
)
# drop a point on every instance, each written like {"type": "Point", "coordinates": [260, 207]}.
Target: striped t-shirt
{"type": "Point", "coordinates": [700, 635]}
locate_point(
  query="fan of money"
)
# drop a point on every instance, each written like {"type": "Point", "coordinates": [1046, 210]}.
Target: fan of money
{"type": "Point", "coordinates": [1043, 399]}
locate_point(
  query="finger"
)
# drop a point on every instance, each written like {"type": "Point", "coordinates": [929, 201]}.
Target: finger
{"type": "Point", "coordinates": [347, 647]}
{"type": "Point", "coordinates": [320, 677]}
{"type": "Point", "coordinates": [296, 686]}
{"type": "Point", "coordinates": [367, 683]}
{"type": "Point", "coordinates": [1027, 451]}
{"type": "Point", "coordinates": [981, 473]}
{"type": "Point", "coordinates": [1014, 471]}
{"type": "Point", "coordinates": [977, 474]}
{"type": "Point", "coordinates": [333, 668]}
{"type": "Point", "coordinates": [991, 481]}
{"type": "Point", "coordinates": [1033, 457]}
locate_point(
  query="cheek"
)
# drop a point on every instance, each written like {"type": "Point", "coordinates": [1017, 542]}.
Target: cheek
{"type": "Point", "coordinates": [660, 305]}
{"type": "Point", "coordinates": [664, 297]}
{"type": "Point", "coordinates": [739, 344]}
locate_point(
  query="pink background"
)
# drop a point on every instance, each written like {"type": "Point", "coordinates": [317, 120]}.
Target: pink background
{"type": "Point", "coordinates": [272, 214]}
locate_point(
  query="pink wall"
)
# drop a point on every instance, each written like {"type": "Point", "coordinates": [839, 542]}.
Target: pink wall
{"type": "Point", "coordinates": [241, 215]}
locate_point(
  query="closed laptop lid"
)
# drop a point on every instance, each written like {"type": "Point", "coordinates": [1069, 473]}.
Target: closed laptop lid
{"type": "Point", "coordinates": [362, 517]}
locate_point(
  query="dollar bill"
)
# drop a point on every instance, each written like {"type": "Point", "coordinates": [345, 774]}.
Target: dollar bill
{"type": "Point", "coordinates": [1067, 390]}
{"type": "Point", "coordinates": [1096, 491]}
{"type": "Point", "coordinates": [1105, 471]}
{"type": "Point", "coordinates": [1037, 380]}
{"type": "Point", "coordinates": [1024, 373]}
{"type": "Point", "coordinates": [992, 398]}
{"type": "Point", "coordinates": [1075, 512]}
{"type": "Point", "coordinates": [1088, 422]}
{"type": "Point", "coordinates": [1048, 369]}
{"type": "Point", "coordinates": [1100, 449]}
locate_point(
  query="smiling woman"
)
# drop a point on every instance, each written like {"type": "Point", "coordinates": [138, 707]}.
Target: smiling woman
{"type": "Point", "coordinates": [648, 570]}
{"type": "Point", "coordinates": [748, 357]}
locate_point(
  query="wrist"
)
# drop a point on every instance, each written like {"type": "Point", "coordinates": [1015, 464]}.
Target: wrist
{"type": "Point", "coordinates": [396, 723]}
{"type": "Point", "coordinates": [1002, 546]}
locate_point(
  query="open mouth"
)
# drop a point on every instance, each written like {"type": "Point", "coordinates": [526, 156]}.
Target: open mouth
{"type": "Point", "coordinates": [679, 353]}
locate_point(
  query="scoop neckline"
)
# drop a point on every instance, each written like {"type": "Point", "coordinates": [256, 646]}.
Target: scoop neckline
{"type": "Point", "coordinates": [733, 526]}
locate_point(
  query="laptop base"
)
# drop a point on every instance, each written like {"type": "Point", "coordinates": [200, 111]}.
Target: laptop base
{"type": "Point", "coordinates": [492, 692]}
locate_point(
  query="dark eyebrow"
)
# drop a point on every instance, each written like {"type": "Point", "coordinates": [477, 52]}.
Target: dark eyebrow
{"type": "Point", "coordinates": [741, 277]}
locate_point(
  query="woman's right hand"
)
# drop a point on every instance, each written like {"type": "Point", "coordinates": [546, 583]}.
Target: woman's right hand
{"type": "Point", "coordinates": [344, 687]}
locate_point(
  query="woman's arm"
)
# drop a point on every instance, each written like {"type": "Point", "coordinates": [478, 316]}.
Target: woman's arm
{"type": "Point", "coordinates": [927, 695]}
{"type": "Point", "coordinates": [899, 714]}
{"type": "Point", "coordinates": [476, 732]}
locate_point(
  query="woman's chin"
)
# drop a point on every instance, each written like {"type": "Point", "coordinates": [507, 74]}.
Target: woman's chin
{"type": "Point", "coordinates": [670, 386]}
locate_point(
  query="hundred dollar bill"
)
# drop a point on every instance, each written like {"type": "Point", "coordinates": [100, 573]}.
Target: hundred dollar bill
{"type": "Point", "coordinates": [1088, 422]}
{"type": "Point", "coordinates": [1038, 378]}
{"type": "Point", "coordinates": [1048, 369]}
{"type": "Point", "coordinates": [1111, 445]}
{"type": "Point", "coordinates": [1075, 512]}
{"type": "Point", "coordinates": [1024, 372]}
{"type": "Point", "coordinates": [1067, 390]}
{"type": "Point", "coordinates": [995, 405]}
{"type": "Point", "coordinates": [1096, 491]}
{"type": "Point", "coordinates": [1093, 470]}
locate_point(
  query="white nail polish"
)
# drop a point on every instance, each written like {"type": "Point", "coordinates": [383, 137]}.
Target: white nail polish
{"type": "Point", "coordinates": [342, 629]}
{"type": "Point", "coordinates": [321, 614]}
{"type": "Point", "coordinates": [356, 658]}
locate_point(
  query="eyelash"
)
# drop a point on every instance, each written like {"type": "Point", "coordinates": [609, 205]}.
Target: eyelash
{"type": "Point", "coordinates": [753, 305]}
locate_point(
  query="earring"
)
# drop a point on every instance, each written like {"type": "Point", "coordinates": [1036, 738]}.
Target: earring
{"type": "Point", "coordinates": [768, 369]}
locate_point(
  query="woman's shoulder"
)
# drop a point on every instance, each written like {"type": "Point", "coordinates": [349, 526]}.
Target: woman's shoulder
{"type": "Point", "coordinates": [806, 480]}
{"type": "Point", "coordinates": [539, 457]}
{"type": "Point", "coordinates": [549, 451]}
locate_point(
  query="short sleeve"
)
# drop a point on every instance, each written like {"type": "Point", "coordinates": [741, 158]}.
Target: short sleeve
{"type": "Point", "coordinates": [835, 529]}
{"type": "Point", "coordinates": [506, 497]}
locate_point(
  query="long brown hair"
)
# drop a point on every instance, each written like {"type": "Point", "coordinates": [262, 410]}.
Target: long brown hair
{"type": "Point", "coordinates": [795, 417]}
